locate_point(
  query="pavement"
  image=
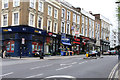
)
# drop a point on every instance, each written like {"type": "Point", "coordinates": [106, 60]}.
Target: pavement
{"type": "Point", "coordinates": [61, 66]}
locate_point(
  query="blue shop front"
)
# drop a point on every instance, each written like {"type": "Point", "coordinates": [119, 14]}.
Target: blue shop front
{"type": "Point", "coordinates": [23, 40]}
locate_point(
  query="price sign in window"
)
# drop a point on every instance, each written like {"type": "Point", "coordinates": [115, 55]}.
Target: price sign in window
{"type": "Point", "coordinates": [32, 47]}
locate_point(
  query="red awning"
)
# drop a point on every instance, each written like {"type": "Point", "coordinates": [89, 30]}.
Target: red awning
{"type": "Point", "coordinates": [76, 42]}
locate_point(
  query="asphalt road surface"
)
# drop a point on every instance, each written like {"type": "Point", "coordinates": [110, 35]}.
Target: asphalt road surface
{"type": "Point", "coordinates": [77, 67]}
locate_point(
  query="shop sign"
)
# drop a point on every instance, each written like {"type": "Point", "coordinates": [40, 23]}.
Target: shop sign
{"type": "Point", "coordinates": [38, 31]}
{"type": "Point", "coordinates": [23, 40]}
{"type": "Point", "coordinates": [6, 30]}
{"type": "Point", "coordinates": [54, 35]}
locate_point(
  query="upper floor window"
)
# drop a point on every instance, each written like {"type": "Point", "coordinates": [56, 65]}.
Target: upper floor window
{"type": "Point", "coordinates": [55, 13]}
{"type": "Point", "coordinates": [55, 27]}
{"type": "Point", "coordinates": [68, 15]}
{"type": "Point", "coordinates": [86, 21]}
{"type": "Point", "coordinates": [49, 10]}
{"type": "Point", "coordinates": [16, 3]}
{"type": "Point", "coordinates": [49, 25]}
{"type": "Point", "coordinates": [5, 20]}
{"type": "Point", "coordinates": [63, 27]}
{"type": "Point", "coordinates": [78, 19]}
{"type": "Point", "coordinates": [15, 18]}
{"type": "Point", "coordinates": [4, 4]}
{"type": "Point", "coordinates": [74, 17]}
{"type": "Point", "coordinates": [40, 22]}
{"type": "Point", "coordinates": [32, 3]}
{"type": "Point", "coordinates": [40, 6]}
{"type": "Point", "coordinates": [68, 29]}
{"type": "Point", "coordinates": [63, 13]}
{"type": "Point", "coordinates": [31, 19]}
{"type": "Point", "coordinates": [82, 19]}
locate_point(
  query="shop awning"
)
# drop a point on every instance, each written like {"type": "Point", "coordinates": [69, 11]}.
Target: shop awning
{"type": "Point", "coordinates": [76, 42]}
{"type": "Point", "coordinates": [66, 43]}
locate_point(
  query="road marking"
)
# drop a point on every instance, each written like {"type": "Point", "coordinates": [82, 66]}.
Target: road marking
{"type": "Point", "coordinates": [60, 76]}
{"type": "Point", "coordinates": [63, 68]}
{"type": "Point", "coordinates": [41, 67]}
{"type": "Point", "coordinates": [113, 71]}
{"type": "Point", "coordinates": [6, 74]}
{"type": "Point", "coordinates": [34, 76]}
{"type": "Point", "coordinates": [116, 74]}
{"type": "Point", "coordinates": [83, 62]}
{"type": "Point", "coordinates": [68, 64]}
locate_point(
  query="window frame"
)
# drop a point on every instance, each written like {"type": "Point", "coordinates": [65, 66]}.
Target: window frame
{"type": "Point", "coordinates": [13, 17]}
{"type": "Point", "coordinates": [3, 4]}
{"type": "Point", "coordinates": [56, 27]}
{"type": "Point", "coordinates": [56, 13]}
{"type": "Point", "coordinates": [50, 11]}
{"type": "Point", "coordinates": [33, 6]}
{"type": "Point", "coordinates": [41, 22]}
{"type": "Point", "coordinates": [30, 19]}
{"type": "Point", "coordinates": [63, 13]}
{"type": "Point", "coordinates": [2, 21]}
{"type": "Point", "coordinates": [68, 15]}
{"type": "Point", "coordinates": [17, 3]}
{"type": "Point", "coordinates": [67, 28]}
{"type": "Point", "coordinates": [39, 9]}
{"type": "Point", "coordinates": [74, 17]}
{"type": "Point", "coordinates": [49, 25]}
{"type": "Point", "coordinates": [62, 27]}
{"type": "Point", "coordinates": [78, 18]}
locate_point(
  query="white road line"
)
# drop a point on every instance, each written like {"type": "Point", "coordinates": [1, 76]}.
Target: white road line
{"type": "Point", "coordinates": [116, 74]}
{"type": "Point", "coordinates": [40, 67]}
{"type": "Point", "coordinates": [113, 71]}
{"type": "Point", "coordinates": [68, 64]}
{"type": "Point", "coordinates": [33, 76]}
{"type": "Point", "coordinates": [83, 62]}
{"type": "Point", "coordinates": [6, 74]}
{"type": "Point", "coordinates": [63, 68]}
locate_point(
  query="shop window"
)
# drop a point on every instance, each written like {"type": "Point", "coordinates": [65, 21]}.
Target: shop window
{"type": "Point", "coordinates": [32, 47]}
{"type": "Point", "coordinates": [8, 46]}
{"type": "Point", "coordinates": [12, 47]}
{"type": "Point", "coordinates": [39, 47]}
{"type": "Point", "coordinates": [35, 47]}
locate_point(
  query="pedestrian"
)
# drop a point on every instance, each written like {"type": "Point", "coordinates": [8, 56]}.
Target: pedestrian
{"type": "Point", "coordinates": [4, 54]}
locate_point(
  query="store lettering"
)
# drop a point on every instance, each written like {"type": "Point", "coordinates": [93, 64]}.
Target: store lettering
{"type": "Point", "coordinates": [6, 30]}
{"type": "Point", "coordinates": [38, 31]}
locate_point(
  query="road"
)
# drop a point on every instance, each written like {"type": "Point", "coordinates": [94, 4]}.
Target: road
{"type": "Point", "coordinates": [75, 67]}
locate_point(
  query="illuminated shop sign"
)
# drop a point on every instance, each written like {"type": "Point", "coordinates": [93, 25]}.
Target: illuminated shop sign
{"type": "Point", "coordinates": [36, 31]}
{"type": "Point", "coordinates": [6, 30]}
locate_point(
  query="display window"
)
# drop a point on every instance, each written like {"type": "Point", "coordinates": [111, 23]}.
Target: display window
{"type": "Point", "coordinates": [10, 46]}
{"type": "Point", "coordinates": [36, 46]}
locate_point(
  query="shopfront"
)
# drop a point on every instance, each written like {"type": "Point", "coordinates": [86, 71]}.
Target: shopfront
{"type": "Point", "coordinates": [23, 40]}
{"type": "Point", "coordinates": [77, 45]}
{"type": "Point", "coordinates": [105, 45]}
{"type": "Point", "coordinates": [52, 43]}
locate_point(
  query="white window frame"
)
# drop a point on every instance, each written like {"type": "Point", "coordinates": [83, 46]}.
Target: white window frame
{"type": "Point", "coordinates": [33, 19]}
{"type": "Point", "coordinates": [2, 20]}
{"type": "Point", "coordinates": [74, 17]}
{"type": "Point", "coordinates": [78, 19]}
{"type": "Point", "coordinates": [67, 28]}
{"type": "Point", "coordinates": [18, 3]}
{"type": "Point", "coordinates": [68, 15]}
{"type": "Point", "coordinates": [34, 4]}
{"type": "Point", "coordinates": [3, 2]}
{"type": "Point", "coordinates": [41, 22]}
{"type": "Point", "coordinates": [55, 13]}
{"type": "Point", "coordinates": [14, 17]}
{"type": "Point", "coordinates": [48, 10]}
{"type": "Point", "coordinates": [86, 20]}
{"type": "Point", "coordinates": [39, 9]}
{"type": "Point", "coordinates": [61, 27]}
{"type": "Point", "coordinates": [56, 27]}
{"type": "Point", "coordinates": [50, 25]}
{"type": "Point", "coordinates": [63, 13]}
{"type": "Point", "coordinates": [83, 19]}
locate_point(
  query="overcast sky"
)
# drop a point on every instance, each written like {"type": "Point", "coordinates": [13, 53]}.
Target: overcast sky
{"type": "Point", "coordinates": [105, 7]}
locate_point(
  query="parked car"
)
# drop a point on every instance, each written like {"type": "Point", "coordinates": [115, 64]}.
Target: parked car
{"type": "Point", "coordinates": [113, 52]}
{"type": "Point", "coordinates": [107, 52]}
{"type": "Point", "coordinates": [93, 53]}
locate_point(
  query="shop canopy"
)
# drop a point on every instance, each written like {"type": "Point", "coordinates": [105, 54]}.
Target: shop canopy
{"type": "Point", "coordinates": [66, 43]}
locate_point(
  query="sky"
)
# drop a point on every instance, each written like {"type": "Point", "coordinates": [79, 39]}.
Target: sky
{"type": "Point", "coordinates": [107, 8]}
